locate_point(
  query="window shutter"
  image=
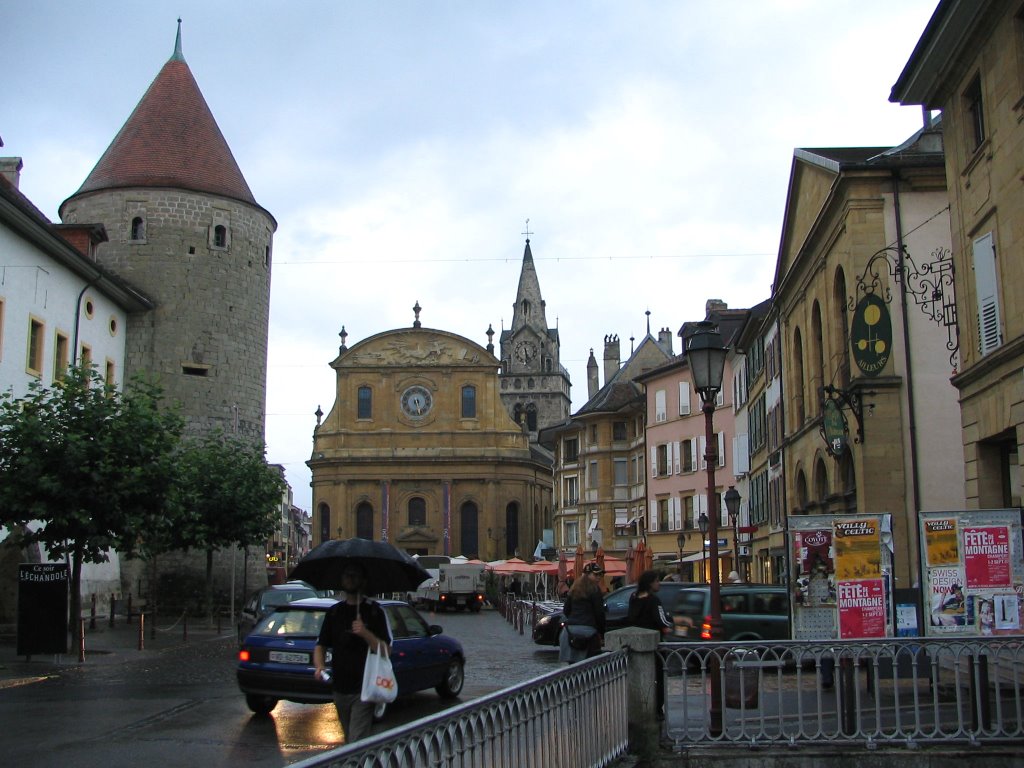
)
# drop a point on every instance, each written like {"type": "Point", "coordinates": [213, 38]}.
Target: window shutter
{"type": "Point", "coordinates": [989, 337]}
{"type": "Point", "coordinates": [679, 454]}
{"type": "Point", "coordinates": [654, 462]}
{"type": "Point", "coordinates": [702, 447]}
{"type": "Point", "coordinates": [740, 454]}
{"type": "Point", "coordinates": [684, 398]}
{"type": "Point", "coordinates": [720, 398]}
{"type": "Point", "coordinates": [721, 448]}
{"type": "Point", "coordinates": [654, 517]}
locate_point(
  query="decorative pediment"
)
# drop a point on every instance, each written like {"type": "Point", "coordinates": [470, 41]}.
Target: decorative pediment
{"type": "Point", "coordinates": [412, 536]}
{"type": "Point", "coordinates": [417, 347]}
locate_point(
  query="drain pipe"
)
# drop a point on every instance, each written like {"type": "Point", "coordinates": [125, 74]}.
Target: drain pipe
{"type": "Point", "coordinates": [78, 318]}
{"type": "Point", "coordinates": [915, 480]}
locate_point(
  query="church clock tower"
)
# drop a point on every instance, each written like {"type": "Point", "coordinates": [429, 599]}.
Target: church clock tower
{"type": "Point", "coordinates": [534, 385]}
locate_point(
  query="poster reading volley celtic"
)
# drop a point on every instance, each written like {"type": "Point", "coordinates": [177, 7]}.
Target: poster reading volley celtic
{"type": "Point", "coordinates": [974, 572]}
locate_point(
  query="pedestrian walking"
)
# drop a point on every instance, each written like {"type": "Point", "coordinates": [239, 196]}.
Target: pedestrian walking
{"type": "Point", "coordinates": [583, 633]}
{"type": "Point", "coordinates": [351, 628]}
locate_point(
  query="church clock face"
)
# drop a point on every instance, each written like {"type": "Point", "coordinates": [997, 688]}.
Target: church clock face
{"type": "Point", "coordinates": [526, 351]}
{"type": "Point", "coordinates": [417, 402]}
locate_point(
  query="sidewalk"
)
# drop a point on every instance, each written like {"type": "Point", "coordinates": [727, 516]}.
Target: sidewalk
{"type": "Point", "coordinates": [104, 645]}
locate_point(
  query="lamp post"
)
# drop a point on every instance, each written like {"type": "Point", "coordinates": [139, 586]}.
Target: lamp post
{"type": "Point", "coordinates": [732, 504]}
{"type": "Point", "coordinates": [680, 542]}
{"type": "Point", "coordinates": [706, 356]}
{"type": "Point", "coordinates": [702, 523]}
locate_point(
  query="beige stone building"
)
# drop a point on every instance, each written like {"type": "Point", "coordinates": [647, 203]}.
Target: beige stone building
{"type": "Point", "coordinates": [861, 290]}
{"type": "Point", "coordinates": [418, 449]}
{"type": "Point", "coordinates": [969, 63]}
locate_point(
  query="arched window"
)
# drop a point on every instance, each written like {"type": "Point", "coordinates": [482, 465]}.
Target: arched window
{"type": "Point", "coordinates": [220, 236]}
{"type": "Point", "coordinates": [798, 379]}
{"type": "Point", "coordinates": [801, 491]}
{"type": "Point", "coordinates": [324, 512]}
{"type": "Point", "coordinates": [417, 511]}
{"type": "Point", "coordinates": [364, 520]}
{"type": "Point", "coordinates": [531, 417]}
{"type": "Point", "coordinates": [364, 403]}
{"type": "Point", "coordinates": [468, 530]}
{"type": "Point", "coordinates": [469, 402]}
{"type": "Point", "coordinates": [511, 528]}
{"type": "Point", "coordinates": [840, 328]}
{"type": "Point", "coordinates": [821, 492]}
{"type": "Point", "coordinates": [818, 379]}
{"type": "Point", "coordinates": [138, 229]}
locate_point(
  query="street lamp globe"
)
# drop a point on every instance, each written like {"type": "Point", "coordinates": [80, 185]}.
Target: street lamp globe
{"type": "Point", "coordinates": [732, 502]}
{"type": "Point", "coordinates": [706, 355]}
{"type": "Point", "coordinates": [702, 523]}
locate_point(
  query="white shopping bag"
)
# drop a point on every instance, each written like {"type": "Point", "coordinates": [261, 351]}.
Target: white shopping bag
{"type": "Point", "coordinates": [379, 684]}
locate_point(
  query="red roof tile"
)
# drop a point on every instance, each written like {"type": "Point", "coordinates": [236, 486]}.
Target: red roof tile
{"type": "Point", "coordinates": [171, 140]}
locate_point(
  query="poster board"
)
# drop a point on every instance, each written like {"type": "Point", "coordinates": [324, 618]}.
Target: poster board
{"type": "Point", "coordinates": [841, 580]}
{"type": "Point", "coordinates": [42, 608]}
{"type": "Point", "coordinates": [973, 567]}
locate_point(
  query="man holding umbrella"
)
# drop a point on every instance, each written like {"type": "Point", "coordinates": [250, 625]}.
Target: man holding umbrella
{"type": "Point", "coordinates": [351, 628]}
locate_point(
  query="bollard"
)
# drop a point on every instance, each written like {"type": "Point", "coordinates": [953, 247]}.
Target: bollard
{"type": "Point", "coordinates": [152, 625]}
{"type": "Point", "coordinates": [218, 622]}
{"type": "Point", "coordinates": [128, 615]}
{"type": "Point", "coordinates": [113, 606]}
{"type": "Point", "coordinates": [184, 627]}
{"type": "Point", "coordinates": [81, 641]}
{"type": "Point", "coordinates": [142, 631]}
{"type": "Point", "coordinates": [92, 613]}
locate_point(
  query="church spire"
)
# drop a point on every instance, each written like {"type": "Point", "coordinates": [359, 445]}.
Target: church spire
{"type": "Point", "coordinates": [178, 55]}
{"type": "Point", "coordinates": [528, 310]}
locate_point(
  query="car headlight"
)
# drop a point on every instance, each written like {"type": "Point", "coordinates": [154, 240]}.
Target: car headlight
{"type": "Point", "coordinates": [545, 621]}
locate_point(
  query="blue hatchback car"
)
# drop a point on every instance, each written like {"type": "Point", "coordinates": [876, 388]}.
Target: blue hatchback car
{"type": "Point", "coordinates": [276, 659]}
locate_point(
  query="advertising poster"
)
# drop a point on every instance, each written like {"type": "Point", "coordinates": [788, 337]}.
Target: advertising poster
{"type": "Point", "coordinates": [987, 556]}
{"type": "Point", "coordinates": [947, 602]}
{"type": "Point", "coordinates": [858, 549]}
{"type": "Point", "coordinates": [861, 608]}
{"type": "Point", "coordinates": [814, 550]}
{"type": "Point", "coordinates": [942, 546]}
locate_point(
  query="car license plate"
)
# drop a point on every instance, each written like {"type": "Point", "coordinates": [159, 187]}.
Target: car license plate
{"type": "Point", "coordinates": [286, 657]}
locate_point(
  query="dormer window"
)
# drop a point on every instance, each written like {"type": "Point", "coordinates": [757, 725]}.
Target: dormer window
{"type": "Point", "coordinates": [138, 229]}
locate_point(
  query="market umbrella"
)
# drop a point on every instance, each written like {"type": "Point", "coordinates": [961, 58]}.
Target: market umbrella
{"type": "Point", "coordinates": [599, 557]}
{"type": "Point", "coordinates": [577, 566]}
{"type": "Point", "coordinates": [388, 569]}
{"type": "Point", "coordinates": [630, 556]}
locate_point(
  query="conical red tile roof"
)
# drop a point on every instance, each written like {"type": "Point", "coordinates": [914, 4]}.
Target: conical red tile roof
{"type": "Point", "coordinates": [171, 140]}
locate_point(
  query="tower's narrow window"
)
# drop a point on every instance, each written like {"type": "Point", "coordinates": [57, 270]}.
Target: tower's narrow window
{"type": "Point", "coordinates": [220, 236]}
{"type": "Point", "coordinates": [138, 228]}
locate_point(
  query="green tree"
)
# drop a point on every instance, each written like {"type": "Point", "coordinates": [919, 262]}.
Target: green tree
{"type": "Point", "coordinates": [229, 496]}
{"type": "Point", "coordinates": [86, 464]}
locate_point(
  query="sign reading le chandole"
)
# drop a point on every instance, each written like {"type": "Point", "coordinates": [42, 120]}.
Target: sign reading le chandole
{"type": "Point", "coordinates": [871, 335]}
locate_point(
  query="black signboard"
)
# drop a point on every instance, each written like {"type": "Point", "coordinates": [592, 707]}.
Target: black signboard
{"type": "Point", "coordinates": [42, 608]}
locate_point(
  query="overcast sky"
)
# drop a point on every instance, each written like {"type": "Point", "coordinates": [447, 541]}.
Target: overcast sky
{"type": "Point", "coordinates": [401, 146]}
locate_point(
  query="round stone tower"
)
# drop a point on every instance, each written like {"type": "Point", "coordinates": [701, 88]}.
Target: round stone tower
{"type": "Point", "coordinates": [184, 227]}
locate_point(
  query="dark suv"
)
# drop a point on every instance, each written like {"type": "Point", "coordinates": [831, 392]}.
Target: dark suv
{"type": "Point", "coordinates": [616, 606]}
{"type": "Point", "coordinates": [749, 612]}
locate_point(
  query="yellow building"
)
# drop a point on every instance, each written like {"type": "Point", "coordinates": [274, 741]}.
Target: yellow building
{"type": "Point", "coordinates": [420, 450]}
{"type": "Point", "coordinates": [870, 417]}
{"type": "Point", "coordinates": [969, 63]}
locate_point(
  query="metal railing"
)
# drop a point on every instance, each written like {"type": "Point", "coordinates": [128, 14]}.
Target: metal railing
{"type": "Point", "coordinates": [892, 691]}
{"type": "Point", "coordinates": [574, 716]}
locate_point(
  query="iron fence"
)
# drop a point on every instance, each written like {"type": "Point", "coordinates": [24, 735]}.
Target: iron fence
{"type": "Point", "coordinates": [892, 691]}
{"type": "Point", "coordinates": [576, 716]}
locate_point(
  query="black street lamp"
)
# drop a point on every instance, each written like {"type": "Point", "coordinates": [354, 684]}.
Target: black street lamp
{"type": "Point", "coordinates": [732, 504]}
{"type": "Point", "coordinates": [706, 356]}
{"type": "Point", "coordinates": [702, 523]}
{"type": "Point", "coordinates": [680, 542]}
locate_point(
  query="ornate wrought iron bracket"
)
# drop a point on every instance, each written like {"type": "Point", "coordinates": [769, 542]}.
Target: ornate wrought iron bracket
{"type": "Point", "coordinates": [931, 285]}
{"type": "Point", "coordinates": [853, 401]}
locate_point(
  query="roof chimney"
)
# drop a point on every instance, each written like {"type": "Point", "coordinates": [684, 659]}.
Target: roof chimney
{"type": "Point", "coordinates": [611, 357]}
{"type": "Point", "coordinates": [714, 305]}
{"type": "Point", "coordinates": [665, 340]}
{"type": "Point", "coordinates": [10, 169]}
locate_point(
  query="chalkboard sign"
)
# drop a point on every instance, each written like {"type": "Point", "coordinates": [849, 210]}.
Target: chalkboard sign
{"type": "Point", "coordinates": [42, 608]}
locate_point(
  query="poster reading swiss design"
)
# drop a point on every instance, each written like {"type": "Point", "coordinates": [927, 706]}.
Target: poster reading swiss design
{"type": "Point", "coordinates": [987, 556]}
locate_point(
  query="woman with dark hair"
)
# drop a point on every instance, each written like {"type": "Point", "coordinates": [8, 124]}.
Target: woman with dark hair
{"type": "Point", "coordinates": [645, 609]}
{"type": "Point", "coordinates": [583, 633]}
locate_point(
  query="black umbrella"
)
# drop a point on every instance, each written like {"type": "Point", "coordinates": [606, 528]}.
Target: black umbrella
{"type": "Point", "coordinates": [388, 569]}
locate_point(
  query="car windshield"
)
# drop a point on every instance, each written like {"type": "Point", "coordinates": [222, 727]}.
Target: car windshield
{"type": "Point", "coordinates": [291, 623]}
{"type": "Point", "coordinates": [277, 597]}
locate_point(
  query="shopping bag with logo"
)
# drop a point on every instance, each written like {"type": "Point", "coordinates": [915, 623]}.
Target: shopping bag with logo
{"type": "Point", "coordinates": [379, 684]}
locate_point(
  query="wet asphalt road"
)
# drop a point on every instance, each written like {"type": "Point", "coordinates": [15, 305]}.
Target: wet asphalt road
{"type": "Point", "coordinates": [182, 707]}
